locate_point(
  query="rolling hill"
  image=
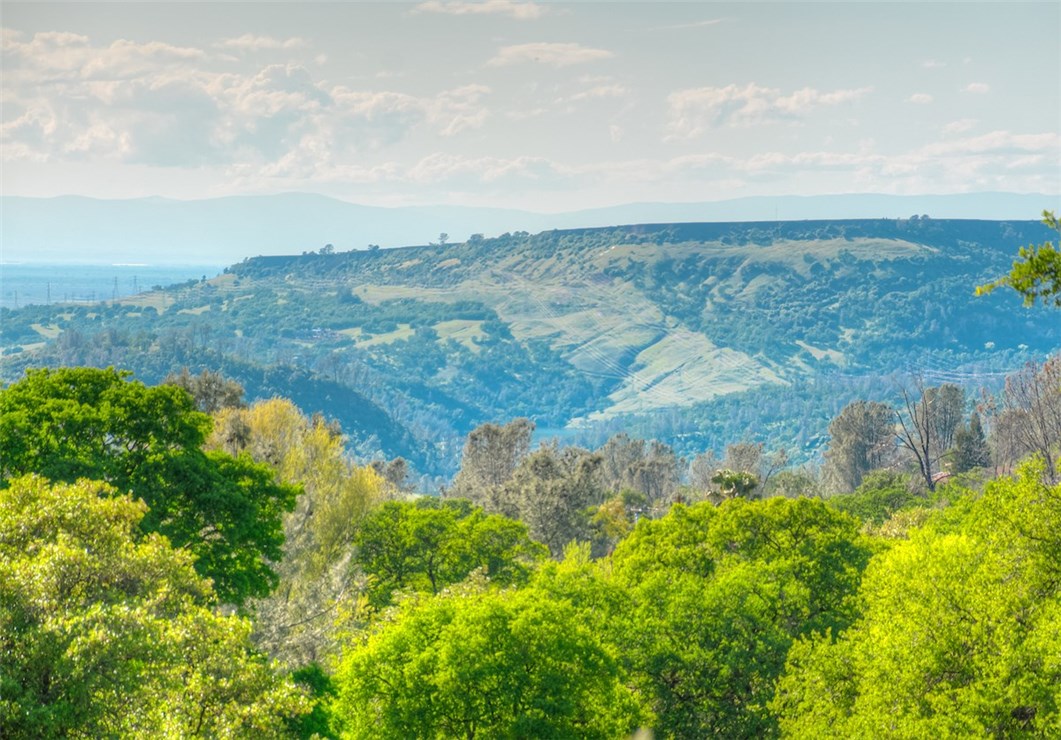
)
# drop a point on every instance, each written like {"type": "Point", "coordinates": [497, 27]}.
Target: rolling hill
{"type": "Point", "coordinates": [700, 334]}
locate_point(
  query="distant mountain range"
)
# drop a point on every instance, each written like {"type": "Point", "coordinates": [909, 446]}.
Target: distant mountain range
{"type": "Point", "coordinates": [696, 334]}
{"type": "Point", "coordinates": [226, 230]}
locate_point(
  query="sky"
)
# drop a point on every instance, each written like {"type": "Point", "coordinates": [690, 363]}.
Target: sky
{"type": "Point", "coordinates": [533, 105]}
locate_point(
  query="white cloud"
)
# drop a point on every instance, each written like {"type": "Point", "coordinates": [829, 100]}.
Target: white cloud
{"type": "Point", "coordinates": [694, 111]}
{"type": "Point", "coordinates": [552, 54]}
{"type": "Point", "coordinates": [691, 24]}
{"type": "Point", "coordinates": [933, 64]}
{"type": "Point", "coordinates": [960, 126]}
{"type": "Point", "coordinates": [599, 91]}
{"type": "Point", "coordinates": [977, 88]}
{"type": "Point", "coordinates": [933, 167]}
{"type": "Point", "coordinates": [250, 42]}
{"type": "Point", "coordinates": [519, 11]}
{"type": "Point", "coordinates": [455, 110]}
{"type": "Point", "coordinates": [919, 98]}
{"type": "Point", "coordinates": [58, 57]}
{"type": "Point", "coordinates": [810, 161]}
{"type": "Point", "coordinates": [807, 98]}
{"type": "Point", "coordinates": [995, 143]}
{"type": "Point", "coordinates": [159, 104]}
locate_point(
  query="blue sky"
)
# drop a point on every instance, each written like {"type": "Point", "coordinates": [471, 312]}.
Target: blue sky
{"type": "Point", "coordinates": [540, 106]}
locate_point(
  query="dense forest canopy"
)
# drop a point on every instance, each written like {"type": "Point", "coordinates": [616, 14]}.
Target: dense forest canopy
{"type": "Point", "coordinates": [180, 560]}
{"type": "Point", "coordinates": [551, 591]}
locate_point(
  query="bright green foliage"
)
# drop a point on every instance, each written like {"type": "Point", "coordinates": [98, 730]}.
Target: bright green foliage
{"type": "Point", "coordinates": [960, 634]}
{"type": "Point", "coordinates": [720, 594]}
{"type": "Point", "coordinates": [485, 664]}
{"type": "Point", "coordinates": [108, 633]}
{"type": "Point", "coordinates": [1038, 277]}
{"type": "Point", "coordinates": [428, 544]}
{"type": "Point", "coordinates": [77, 423]}
{"type": "Point", "coordinates": [881, 494]}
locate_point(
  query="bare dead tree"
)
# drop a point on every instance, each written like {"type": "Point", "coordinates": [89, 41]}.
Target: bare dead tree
{"type": "Point", "coordinates": [926, 424]}
{"type": "Point", "coordinates": [1028, 418]}
{"type": "Point", "coordinates": [915, 432]}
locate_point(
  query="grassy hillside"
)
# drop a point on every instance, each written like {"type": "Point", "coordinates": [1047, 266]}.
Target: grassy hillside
{"type": "Point", "coordinates": [700, 333]}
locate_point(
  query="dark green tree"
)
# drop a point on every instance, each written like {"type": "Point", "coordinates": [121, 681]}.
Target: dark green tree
{"type": "Point", "coordinates": [735, 483]}
{"type": "Point", "coordinates": [718, 596]}
{"type": "Point", "coordinates": [862, 438]}
{"type": "Point", "coordinates": [970, 447]}
{"type": "Point", "coordinates": [75, 423]}
{"type": "Point", "coordinates": [211, 391]}
{"type": "Point", "coordinates": [428, 544]}
{"type": "Point", "coordinates": [553, 490]}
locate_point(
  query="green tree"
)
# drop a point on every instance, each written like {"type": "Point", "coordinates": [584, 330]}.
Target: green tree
{"type": "Point", "coordinates": [718, 596]}
{"type": "Point", "coordinates": [735, 483]}
{"type": "Point", "coordinates": [428, 544]}
{"type": "Point", "coordinates": [862, 438]}
{"type": "Point", "coordinates": [1038, 276]}
{"type": "Point", "coordinates": [970, 449]}
{"type": "Point", "coordinates": [960, 633]}
{"type": "Point", "coordinates": [76, 423]}
{"type": "Point", "coordinates": [553, 490]}
{"type": "Point", "coordinates": [881, 494]}
{"type": "Point", "coordinates": [106, 632]}
{"type": "Point", "coordinates": [475, 663]}
{"type": "Point", "coordinates": [211, 391]}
